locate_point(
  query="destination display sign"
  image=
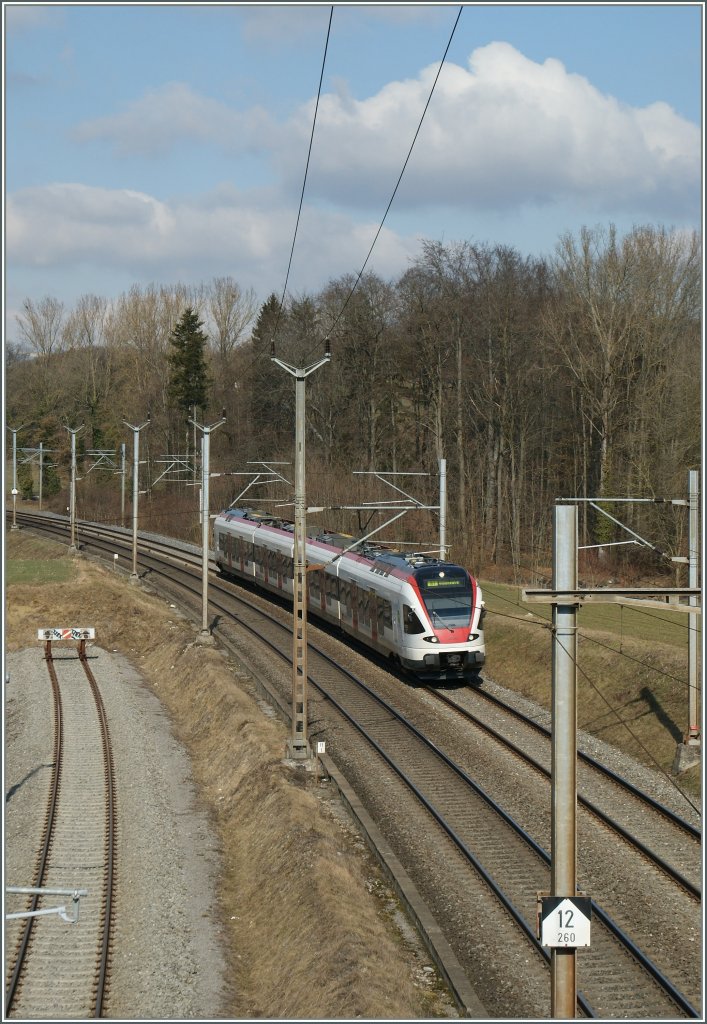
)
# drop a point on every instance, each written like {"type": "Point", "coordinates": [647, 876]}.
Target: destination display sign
{"type": "Point", "coordinates": [448, 581]}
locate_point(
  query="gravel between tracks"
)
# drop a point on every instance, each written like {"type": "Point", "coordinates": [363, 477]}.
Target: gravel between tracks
{"type": "Point", "coordinates": [168, 940]}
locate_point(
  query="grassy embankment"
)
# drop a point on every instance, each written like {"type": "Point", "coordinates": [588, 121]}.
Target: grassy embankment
{"type": "Point", "coordinates": [632, 664]}
{"type": "Point", "coordinates": [631, 671]}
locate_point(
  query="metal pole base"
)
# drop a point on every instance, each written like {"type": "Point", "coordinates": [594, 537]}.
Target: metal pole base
{"type": "Point", "coordinates": [205, 637]}
{"type": "Point", "coordinates": [298, 750]}
{"type": "Point", "coordinates": [687, 755]}
{"type": "Point", "coordinates": [134, 578]}
{"type": "Point", "coordinates": [14, 526]}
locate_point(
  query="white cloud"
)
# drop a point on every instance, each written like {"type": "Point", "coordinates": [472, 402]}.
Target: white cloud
{"type": "Point", "coordinates": [502, 133]}
{"type": "Point", "coordinates": [226, 231]}
{"type": "Point", "coordinates": [506, 131]}
{"type": "Point", "coordinates": [174, 113]}
{"type": "Point", "coordinates": [504, 139]}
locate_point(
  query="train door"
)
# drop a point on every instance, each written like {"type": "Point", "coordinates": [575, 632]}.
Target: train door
{"type": "Point", "coordinates": [354, 605]}
{"type": "Point", "coordinates": [373, 612]}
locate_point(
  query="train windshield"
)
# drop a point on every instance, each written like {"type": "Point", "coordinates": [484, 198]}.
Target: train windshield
{"type": "Point", "coordinates": [447, 596]}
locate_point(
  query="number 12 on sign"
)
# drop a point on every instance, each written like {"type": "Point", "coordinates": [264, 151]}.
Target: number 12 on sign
{"type": "Point", "coordinates": [565, 922]}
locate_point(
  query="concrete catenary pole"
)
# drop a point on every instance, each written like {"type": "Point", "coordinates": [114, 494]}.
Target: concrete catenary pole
{"type": "Point", "coordinates": [443, 508]}
{"type": "Point", "coordinates": [14, 431]}
{"type": "Point", "coordinates": [136, 473]}
{"type": "Point", "coordinates": [298, 745]}
{"type": "Point", "coordinates": [72, 494]}
{"type": "Point", "coordinates": [41, 472]}
{"type": "Point", "coordinates": [122, 484]}
{"type": "Point", "coordinates": [564, 750]}
{"type": "Point", "coordinates": [205, 521]}
{"type": "Point", "coordinates": [694, 733]}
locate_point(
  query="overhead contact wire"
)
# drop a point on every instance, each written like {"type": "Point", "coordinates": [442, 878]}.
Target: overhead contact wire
{"type": "Point", "coordinates": [304, 182]}
{"type": "Point", "coordinates": [400, 177]}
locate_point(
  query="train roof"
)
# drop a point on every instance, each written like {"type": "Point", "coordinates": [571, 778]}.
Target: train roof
{"type": "Point", "coordinates": [380, 555]}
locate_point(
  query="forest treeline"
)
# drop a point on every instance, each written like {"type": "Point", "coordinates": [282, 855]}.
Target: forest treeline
{"type": "Point", "coordinates": [573, 376]}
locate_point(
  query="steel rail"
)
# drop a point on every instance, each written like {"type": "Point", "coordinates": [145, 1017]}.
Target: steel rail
{"type": "Point", "coordinates": [644, 797]}
{"type": "Point", "coordinates": [109, 883]}
{"type": "Point", "coordinates": [615, 929]}
{"type": "Point", "coordinates": [50, 819]}
{"type": "Point", "coordinates": [650, 855]}
{"type": "Point", "coordinates": [108, 901]}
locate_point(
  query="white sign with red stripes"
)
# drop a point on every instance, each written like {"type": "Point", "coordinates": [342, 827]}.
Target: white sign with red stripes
{"type": "Point", "coordinates": [72, 633]}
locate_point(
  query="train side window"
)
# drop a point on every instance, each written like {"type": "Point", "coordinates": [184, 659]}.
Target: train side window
{"type": "Point", "coordinates": [385, 615]}
{"type": "Point", "coordinates": [411, 623]}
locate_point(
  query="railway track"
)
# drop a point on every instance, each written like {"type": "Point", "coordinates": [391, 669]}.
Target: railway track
{"type": "Point", "coordinates": [666, 840]}
{"type": "Point", "coordinates": [57, 967]}
{"type": "Point", "coordinates": [484, 858]}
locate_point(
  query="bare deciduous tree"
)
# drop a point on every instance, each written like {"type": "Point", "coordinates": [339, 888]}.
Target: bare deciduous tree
{"type": "Point", "coordinates": [40, 326]}
{"type": "Point", "coordinates": [231, 310]}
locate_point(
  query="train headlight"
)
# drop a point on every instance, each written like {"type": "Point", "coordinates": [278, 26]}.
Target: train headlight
{"type": "Point", "coordinates": [431, 639]}
{"type": "Point", "coordinates": [474, 636]}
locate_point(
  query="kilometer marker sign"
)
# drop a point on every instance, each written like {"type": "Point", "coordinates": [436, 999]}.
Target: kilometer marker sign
{"type": "Point", "coordinates": [565, 922]}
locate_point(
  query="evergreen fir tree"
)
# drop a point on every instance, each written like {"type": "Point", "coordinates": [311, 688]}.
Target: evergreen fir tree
{"type": "Point", "coordinates": [268, 393]}
{"type": "Point", "coordinates": [265, 324]}
{"type": "Point", "coordinates": [189, 381]}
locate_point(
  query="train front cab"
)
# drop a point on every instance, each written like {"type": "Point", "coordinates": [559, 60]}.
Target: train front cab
{"type": "Point", "coordinates": [432, 651]}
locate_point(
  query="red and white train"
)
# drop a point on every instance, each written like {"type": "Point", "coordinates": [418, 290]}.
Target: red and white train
{"type": "Point", "coordinates": [425, 614]}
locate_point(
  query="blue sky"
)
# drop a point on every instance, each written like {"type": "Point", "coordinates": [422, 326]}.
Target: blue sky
{"type": "Point", "coordinates": [167, 143]}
